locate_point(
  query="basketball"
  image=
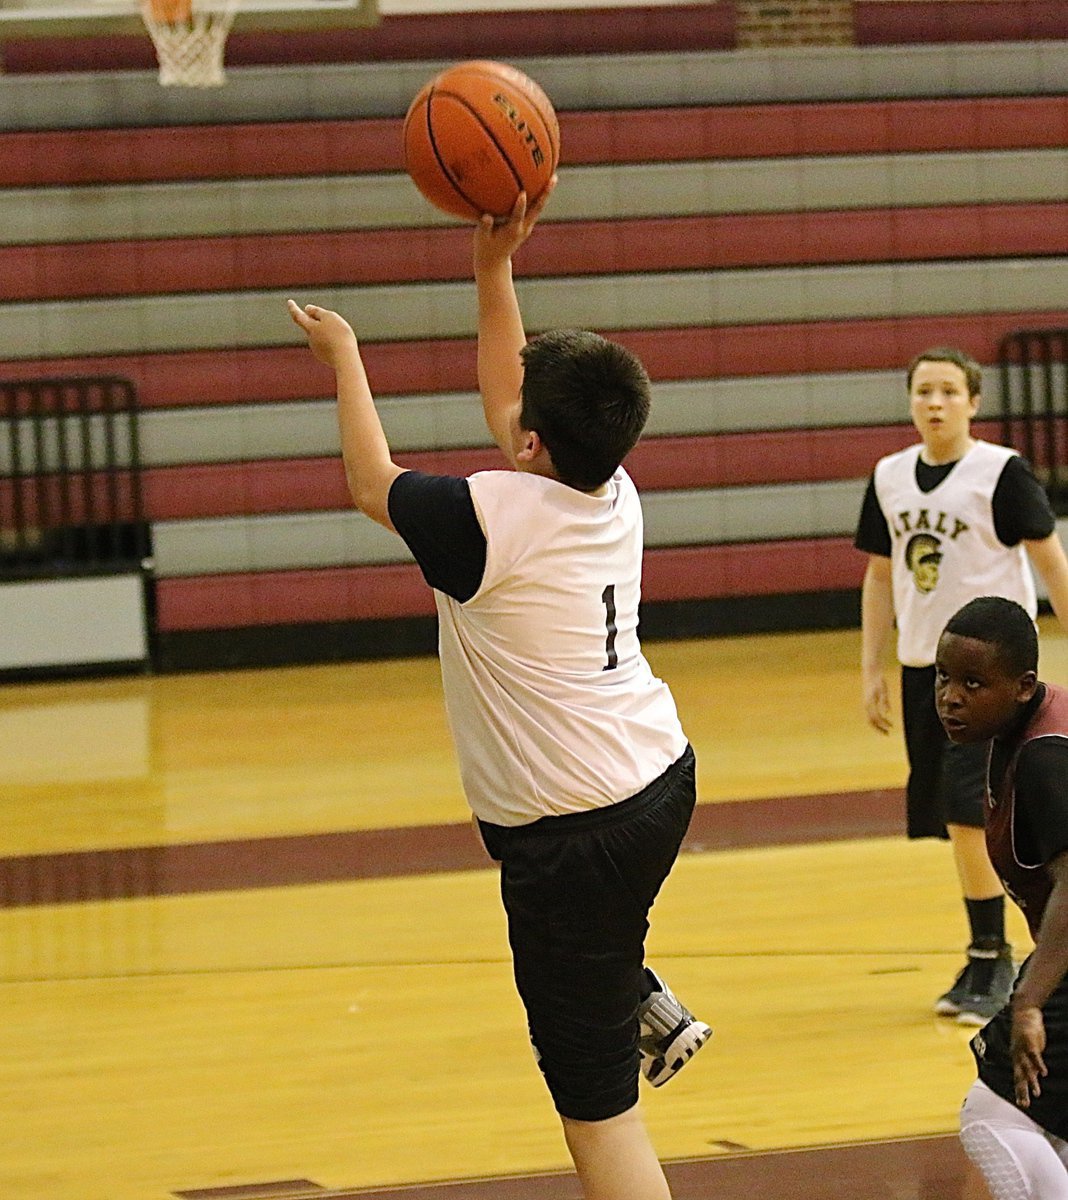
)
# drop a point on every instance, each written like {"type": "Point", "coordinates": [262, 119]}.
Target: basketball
{"type": "Point", "coordinates": [477, 135]}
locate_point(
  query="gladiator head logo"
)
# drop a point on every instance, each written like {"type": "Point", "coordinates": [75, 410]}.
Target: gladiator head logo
{"type": "Point", "coordinates": [922, 556]}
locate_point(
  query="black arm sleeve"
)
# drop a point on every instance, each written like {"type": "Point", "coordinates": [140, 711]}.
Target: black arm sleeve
{"type": "Point", "coordinates": [1021, 507]}
{"type": "Point", "coordinates": [1042, 797]}
{"type": "Point", "coordinates": [435, 516]}
{"type": "Point", "coordinates": [873, 533]}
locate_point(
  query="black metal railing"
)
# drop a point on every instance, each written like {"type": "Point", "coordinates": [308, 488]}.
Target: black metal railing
{"type": "Point", "coordinates": [70, 477]}
{"type": "Point", "coordinates": [1034, 404]}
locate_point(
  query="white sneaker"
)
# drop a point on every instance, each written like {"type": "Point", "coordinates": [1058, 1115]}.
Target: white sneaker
{"type": "Point", "coordinates": [669, 1034]}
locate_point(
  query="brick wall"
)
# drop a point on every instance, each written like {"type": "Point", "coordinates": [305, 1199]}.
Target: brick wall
{"type": "Point", "coordinates": [794, 23]}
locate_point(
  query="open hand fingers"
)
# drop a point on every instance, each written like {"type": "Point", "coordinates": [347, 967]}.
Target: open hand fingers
{"type": "Point", "coordinates": [880, 718]}
{"type": "Point", "coordinates": [877, 709]}
{"type": "Point", "coordinates": [1028, 1070]}
{"type": "Point", "coordinates": [1028, 1065]}
{"type": "Point", "coordinates": [534, 211]}
{"type": "Point", "coordinates": [519, 209]}
{"type": "Point", "coordinates": [305, 317]}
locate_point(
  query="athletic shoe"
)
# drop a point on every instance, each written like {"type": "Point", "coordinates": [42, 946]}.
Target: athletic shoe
{"type": "Point", "coordinates": [948, 1004]}
{"type": "Point", "coordinates": [669, 1034]}
{"type": "Point", "coordinates": [990, 987]}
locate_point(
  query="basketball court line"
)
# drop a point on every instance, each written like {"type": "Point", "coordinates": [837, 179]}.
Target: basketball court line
{"type": "Point", "coordinates": [78, 876]}
{"type": "Point", "coordinates": [927, 1168]}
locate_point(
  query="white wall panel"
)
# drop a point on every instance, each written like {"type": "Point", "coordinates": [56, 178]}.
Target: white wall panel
{"type": "Point", "coordinates": [327, 539]}
{"type": "Point", "coordinates": [327, 203]}
{"type": "Point", "coordinates": [400, 312]}
{"type": "Point", "coordinates": [575, 82]}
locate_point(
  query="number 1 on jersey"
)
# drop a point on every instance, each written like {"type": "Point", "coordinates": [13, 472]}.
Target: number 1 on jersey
{"type": "Point", "coordinates": [608, 598]}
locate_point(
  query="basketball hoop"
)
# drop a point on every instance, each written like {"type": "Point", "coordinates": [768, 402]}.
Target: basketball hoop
{"type": "Point", "coordinates": [190, 37]}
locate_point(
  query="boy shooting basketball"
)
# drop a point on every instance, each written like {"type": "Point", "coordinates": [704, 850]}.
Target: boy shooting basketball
{"type": "Point", "coordinates": [570, 750]}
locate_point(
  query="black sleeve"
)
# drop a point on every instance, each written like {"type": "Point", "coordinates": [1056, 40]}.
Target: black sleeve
{"type": "Point", "coordinates": [873, 533]}
{"type": "Point", "coordinates": [435, 516]}
{"type": "Point", "coordinates": [1042, 797]}
{"type": "Point", "coordinates": [1021, 507]}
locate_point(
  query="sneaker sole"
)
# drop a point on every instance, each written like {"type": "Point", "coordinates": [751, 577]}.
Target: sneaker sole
{"type": "Point", "coordinates": [946, 1008]}
{"type": "Point", "coordinates": [678, 1054]}
{"type": "Point", "coordinates": [973, 1020]}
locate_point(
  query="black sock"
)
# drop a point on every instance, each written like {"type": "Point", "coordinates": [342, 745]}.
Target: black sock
{"type": "Point", "coordinates": [986, 918]}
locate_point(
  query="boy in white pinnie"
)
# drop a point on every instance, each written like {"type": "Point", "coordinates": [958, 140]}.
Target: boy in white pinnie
{"type": "Point", "coordinates": [945, 521]}
{"type": "Point", "coordinates": [571, 752]}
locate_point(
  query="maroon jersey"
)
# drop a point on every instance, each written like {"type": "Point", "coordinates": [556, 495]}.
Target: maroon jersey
{"type": "Point", "coordinates": [1027, 814]}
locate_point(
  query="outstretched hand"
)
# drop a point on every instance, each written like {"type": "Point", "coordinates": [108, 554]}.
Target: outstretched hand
{"type": "Point", "coordinates": [330, 336]}
{"type": "Point", "coordinates": [497, 240]}
{"type": "Point", "coordinates": [1028, 1041]}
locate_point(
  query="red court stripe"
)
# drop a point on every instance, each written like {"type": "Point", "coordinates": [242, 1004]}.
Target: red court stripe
{"type": "Point", "coordinates": [656, 464]}
{"type": "Point", "coordinates": [77, 876]}
{"type": "Point", "coordinates": [292, 148]}
{"type": "Point", "coordinates": [890, 22]}
{"type": "Point", "coordinates": [446, 36]}
{"type": "Point", "coordinates": [261, 375]}
{"type": "Point", "coordinates": [203, 490]}
{"type": "Point", "coordinates": [751, 569]}
{"type": "Point", "coordinates": [551, 33]}
{"type": "Point", "coordinates": [196, 491]}
{"type": "Point", "coordinates": [291, 597]}
{"type": "Point", "coordinates": [398, 590]}
{"type": "Point", "coordinates": [359, 257]}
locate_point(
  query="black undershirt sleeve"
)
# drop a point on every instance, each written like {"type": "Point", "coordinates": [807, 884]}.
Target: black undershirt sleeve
{"type": "Point", "coordinates": [873, 533]}
{"type": "Point", "coordinates": [1041, 786]}
{"type": "Point", "coordinates": [435, 516]}
{"type": "Point", "coordinates": [1022, 511]}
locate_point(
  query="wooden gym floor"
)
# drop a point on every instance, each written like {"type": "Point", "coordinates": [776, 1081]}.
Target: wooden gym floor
{"type": "Point", "coordinates": [250, 946]}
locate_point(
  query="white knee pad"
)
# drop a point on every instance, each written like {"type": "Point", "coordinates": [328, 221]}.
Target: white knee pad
{"type": "Point", "coordinates": [1019, 1160]}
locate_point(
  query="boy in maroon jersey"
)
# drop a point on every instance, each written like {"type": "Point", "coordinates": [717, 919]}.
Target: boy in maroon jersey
{"type": "Point", "coordinates": [1014, 1124]}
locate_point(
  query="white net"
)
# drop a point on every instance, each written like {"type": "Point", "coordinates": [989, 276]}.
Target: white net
{"type": "Point", "coordinates": [190, 48]}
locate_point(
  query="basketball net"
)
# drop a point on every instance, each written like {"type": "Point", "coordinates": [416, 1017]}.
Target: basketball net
{"type": "Point", "coordinates": [190, 38]}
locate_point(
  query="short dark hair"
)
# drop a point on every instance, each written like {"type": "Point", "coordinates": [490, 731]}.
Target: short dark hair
{"type": "Point", "coordinates": [973, 372]}
{"type": "Point", "coordinates": [1003, 624]}
{"type": "Point", "coordinates": [588, 400]}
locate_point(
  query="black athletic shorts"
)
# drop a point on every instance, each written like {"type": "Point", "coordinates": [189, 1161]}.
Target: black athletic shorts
{"type": "Point", "coordinates": [993, 1059]}
{"type": "Point", "coordinates": [577, 890]}
{"type": "Point", "coordinates": [947, 783]}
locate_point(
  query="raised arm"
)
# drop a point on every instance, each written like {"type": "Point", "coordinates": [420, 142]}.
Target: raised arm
{"type": "Point", "coordinates": [500, 324]}
{"type": "Point", "coordinates": [369, 469]}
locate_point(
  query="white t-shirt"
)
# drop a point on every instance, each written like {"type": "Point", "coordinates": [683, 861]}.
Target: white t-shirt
{"type": "Point", "coordinates": [552, 705]}
{"type": "Point", "coordinates": [945, 549]}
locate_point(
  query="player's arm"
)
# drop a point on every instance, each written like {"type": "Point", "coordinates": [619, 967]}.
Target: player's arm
{"type": "Point", "coordinates": [1050, 561]}
{"type": "Point", "coordinates": [501, 336]}
{"type": "Point", "coordinates": [876, 630]}
{"type": "Point", "coordinates": [1046, 967]}
{"type": "Point", "coordinates": [369, 468]}
{"type": "Point", "coordinates": [1022, 513]}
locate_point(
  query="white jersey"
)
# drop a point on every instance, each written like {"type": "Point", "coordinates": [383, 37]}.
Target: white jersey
{"type": "Point", "coordinates": [552, 705]}
{"type": "Point", "coordinates": [945, 549]}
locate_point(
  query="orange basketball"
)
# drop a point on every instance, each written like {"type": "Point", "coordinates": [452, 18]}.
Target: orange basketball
{"type": "Point", "coordinates": [477, 135]}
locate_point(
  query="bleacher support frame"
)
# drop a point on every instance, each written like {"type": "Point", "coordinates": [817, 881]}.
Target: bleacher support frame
{"type": "Point", "coordinates": [73, 528]}
{"type": "Point", "coordinates": [1034, 399]}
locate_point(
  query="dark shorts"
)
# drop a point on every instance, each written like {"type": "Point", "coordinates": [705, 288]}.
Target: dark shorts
{"type": "Point", "coordinates": [577, 890]}
{"type": "Point", "coordinates": [994, 1061]}
{"type": "Point", "coordinates": [947, 783]}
